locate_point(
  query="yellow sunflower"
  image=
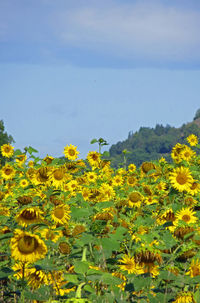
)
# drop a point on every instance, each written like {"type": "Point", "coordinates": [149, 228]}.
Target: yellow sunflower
{"type": "Point", "coordinates": [93, 158]}
{"type": "Point", "coordinates": [51, 234]}
{"type": "Point", "coordinates": [61, 214]}
{"type": "Point", "coordinates": [70, 152]}
{"type": "Point", "coordinates": [135, 199]}
{"type": "Point", "coordinates": [194, 188]}
{"type": "Point", "coordinates": [58, 177]}
{"type": "Point", "coordinates": [187, 153]}
{"type": "Point", "coordinates": [117, 180]}
{"type": "Point", "coordinates": [7, 150]}
{"type": "Point", "coordinates": [8, 172]}
{"type": "Point", "coordinates": [36, 277]}
{"type": "Point", "coordinates": [27, 247]}
{"type": "Point", "coordinates": [131, 180]}
{"type": "Point", "coordinates": [181, 179]}
{"type": "Point", "coordinates": [91, 177]}
{"type": "Point", "coordinates": [29, 215]}
{"type": "Point", "coordinates": [23, 183]}
{"type": "Point", "coordinates": [129, 265]}
{"type": "Point", "coordinates": [186, 215]}
{"type": "Point", "coordinates": [131, 168]}
{"type": "Point", "coordinates": [194, 269]}
{"type": "Point", "coordinates": [192, 140]}
{"type": "Point", "coordinates": [184, 297]}
{"type": "Point", "coordinates": [20, 159]}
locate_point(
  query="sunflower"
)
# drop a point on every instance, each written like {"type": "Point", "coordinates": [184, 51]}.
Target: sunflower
{"type": "Point", "coordinates": [181, 179]}
{"type": "Point", "coordinates": [129, 265]}
{"type": "Point", "coordinates": [8, 172]}
{"type": "Point", "coordinates": [27, 247]}
{"type": "Point", "coordinates": [184, 297]}
{"type": "Point", "coordinates": [7, 150]}
{"type": "Point", "coordinates": [132, 167]}
{"type": "Point", "coordinates": [58, 177]}
{"type": "Point", "coordinates": [131, 180]}
{"type": "Point", "coordinates": [23, 183]}
{"type": "Point", "coordinates": [36, 277]}
{"type": "Point", "coordinates": [187, 153]}
{"type": "Point", "coordinates": [186, 215]}
{"type": "Point", "coordinates": [51, 234]}
{"type": "Point", "coordinates": [122, 277]}
{"type": "Point", "coordinates": [20, 159]}
{"type": "Point", "coordinates": [107, 192]}
{"type": "Point", "coordinates": [28, 216]}
{"type": "Point", "coordinates": [194, 269]}
{"type": "Point", "coordinates": [91, 177]}
{"type": "Point", "coordinates": [93, 158]}
{"type": "Point", "coordinates": [176, 151]}
{"type": "Point", "coordinates": [135, 199]}
{"type": "Point", "coordinates": [70, 152]}
{"type": "Point", "coordinates": [194, 188]}
{"type": "Point", "coordinates": [192, 140]}
{"type": "Point", "coordinates": [117, 180]}
{"type": "Point", "coordinates": [60, 214]}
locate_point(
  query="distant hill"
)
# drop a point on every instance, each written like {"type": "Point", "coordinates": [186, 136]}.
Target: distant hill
{"type": "Point", "coordinates": [153, 143]}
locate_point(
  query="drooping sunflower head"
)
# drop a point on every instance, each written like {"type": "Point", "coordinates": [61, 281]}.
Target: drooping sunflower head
{"type": "Point", "coordinates": [27, 247]}
{"type": "Point", "coordinates": [70, 152]}
{"type": "Point", "coordinates": [147, 166]}
{"type": "Point", "coordinates": [194, 269]}
{"type": "Point", "coordinates": [135, 199]}
{"type": "Point", "coordinates": [184, 297]}
{"type": "Point", "coordinates": [181, 178]}
{"type": "Point", "coordinates": [7, 150]}
{"type": "Point", "coordinates": [28, 216]}
{"type": "Point", "coordinates": [36, 277]}
{"type": "Point", "coordinates": [61, 214]}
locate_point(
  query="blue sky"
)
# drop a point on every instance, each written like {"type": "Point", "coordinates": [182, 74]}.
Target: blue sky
{"type": "Point", "coordinates": [71, 71]}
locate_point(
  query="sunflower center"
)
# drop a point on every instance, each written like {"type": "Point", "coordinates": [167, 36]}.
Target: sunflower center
{"type": "Point", "coordinates": [181, 179]}
{"type": "Point", "coordinates": [186, 218]}
{"type": "Point", "coordinates": [27, 244]}
{"type": "Point", "coordinates": [8, 171]}
{"type": "Point", "coordinates": [7, 149]}
{"type": "Point", "coordinates": [59, 213]}
{"type": "Point", "coordinates": [28, 215]}
{"type": "Point", "coordinates": [58, 175]}
{"type": "Point", "coordinates": [129, 265]}
{"type": "Point", "coordinates": [131, 180]}
{"type": "Point", "coordinates": [71, 152]}
{"type": "Point", "coordinates": [134, 197]}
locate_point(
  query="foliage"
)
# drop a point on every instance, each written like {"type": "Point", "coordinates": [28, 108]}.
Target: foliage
{"type": "Point", "coordinates": [81, 231]}
{"type": "Point", "coordinates": [152, 143]}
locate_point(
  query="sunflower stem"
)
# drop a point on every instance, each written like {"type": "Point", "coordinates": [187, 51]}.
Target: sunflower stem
{"type": "Point", "coordinates": [84, 258]}
{"type": "Point", "coordinates": [78, 291]}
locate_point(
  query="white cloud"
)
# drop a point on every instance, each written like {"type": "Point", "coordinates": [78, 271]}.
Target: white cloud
{"type": "Point", "coordinates": [144, 29]}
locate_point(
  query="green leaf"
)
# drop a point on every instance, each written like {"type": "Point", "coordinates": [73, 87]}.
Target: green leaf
{"type": "Point", "coordinates": [31, 150]}
{"type": "Point", "coordinates": [6, 272]}
{"type": "Point", "coordinates": [89, 288]}
{"type": "Point", "coordinates": [107, 278]}
{"type": "Point", "coordinates": [197, 296]}
{"type": "Point", "coordinates": [40, 295]}
{"type": "Point", "coordinates": [71, 278]}
{"type": "Point", "coordinates": [77, 213]}
{"type": "Point", "coordinates": [93, 141]}
{"type": "Point", "coordinates": [6, 236]}
{"type": "Point", "coordinates": [81, 267]}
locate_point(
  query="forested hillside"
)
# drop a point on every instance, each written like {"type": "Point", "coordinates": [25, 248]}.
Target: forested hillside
{"type": "Point", "coordinates": [152, 143]}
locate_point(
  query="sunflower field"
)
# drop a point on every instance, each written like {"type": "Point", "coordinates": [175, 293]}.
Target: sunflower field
{"type": "Point", "coordinates": [80, 231]}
